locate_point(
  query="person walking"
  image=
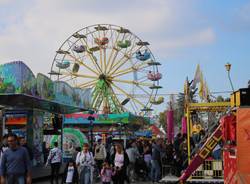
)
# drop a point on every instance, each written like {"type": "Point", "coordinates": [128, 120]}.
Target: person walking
{"type": "Point", "coordinates": [100, 154]}
{"type": "Point", "coordinates": [24, 144]}
{"type": "Point", "coordinates": [54, 159]}
{"type": "Point", "coordinates": [70, 175]}
{"type": "Point", "coordinates": [106, 173]}
{"type": "Point", "coordinates": [156, 161]}
{"type": "Point", "coordinates": [120, 162]}
{"type": "Point", "coordinates": [15, 165]}
{"type": "Point", "coordinates": [133, 154]}
{"type": "Point", "coordinates": [85, 163]}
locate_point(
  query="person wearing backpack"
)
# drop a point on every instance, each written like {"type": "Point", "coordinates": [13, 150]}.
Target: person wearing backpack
{"type": "Point", "coordinates": [100, 154]}
{"type": "Point", "coordinates": [55, 159]}
{"type": "Point", "coordinates": [85, 163]}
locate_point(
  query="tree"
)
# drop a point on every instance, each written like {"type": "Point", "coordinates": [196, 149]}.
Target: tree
{"type": "Point", "coordinates": [162, 119]}
{"type": "Point", "coordinates": [180, 108]}
{"type": "Point", "coordinates": [219, 99]}
{"type": "Point", "coordinates": [137, 123]}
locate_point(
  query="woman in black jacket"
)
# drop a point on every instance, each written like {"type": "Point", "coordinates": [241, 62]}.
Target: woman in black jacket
{"type": "Point", "coordinates": [70, 175]}
{"type": "Point", "coordinates": [120, 161]}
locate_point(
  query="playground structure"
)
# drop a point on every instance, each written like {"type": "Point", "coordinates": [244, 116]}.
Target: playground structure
{"type": "Point", "coordinates": [232, 130]}
{"type": "Point", "coordinates": [110, 60]}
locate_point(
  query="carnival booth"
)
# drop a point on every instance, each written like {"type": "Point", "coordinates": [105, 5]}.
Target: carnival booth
{"type": "Point", "coordinates": [32, 106]}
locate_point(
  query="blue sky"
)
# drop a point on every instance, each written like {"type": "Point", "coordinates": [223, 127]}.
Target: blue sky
{"type": "Point", "coordinates": [182, 33]}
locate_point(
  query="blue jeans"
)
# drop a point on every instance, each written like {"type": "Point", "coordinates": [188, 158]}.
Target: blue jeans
{"type": "Point", "coordinates": [13, 179]}
{"type": "Point", "coordinates": [217, 154]}
{"type": "Point", "coordinates": [85, 175]}
{"type": "Point", "coordinates": [155, 171]}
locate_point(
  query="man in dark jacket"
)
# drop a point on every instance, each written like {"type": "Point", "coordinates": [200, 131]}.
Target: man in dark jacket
{"type": "Point", "coordinates": [15, 165]}
{"type": "Point", "coordinates": [23, 143]}
{"type": "Point", "coordinates": [156, 161]}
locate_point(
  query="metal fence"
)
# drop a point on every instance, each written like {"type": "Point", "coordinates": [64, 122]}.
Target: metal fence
{"type": "Point", "coordinates": [210, 169]}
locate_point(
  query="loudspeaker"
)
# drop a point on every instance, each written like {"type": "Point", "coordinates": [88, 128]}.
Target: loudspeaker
{"type": "Point", "coordinates": [57, 122]}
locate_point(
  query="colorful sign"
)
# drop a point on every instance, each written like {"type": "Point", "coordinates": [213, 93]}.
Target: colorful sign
{"type": "Point", "coordinates": [99, 118]}
{"type": "Point", "coordinates": [72, 138]}
{"type": "Point", "coordinates": [16, 119]}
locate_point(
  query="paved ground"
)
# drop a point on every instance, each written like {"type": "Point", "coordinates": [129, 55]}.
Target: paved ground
{"type": "Point", "coordinates": [47, 182]}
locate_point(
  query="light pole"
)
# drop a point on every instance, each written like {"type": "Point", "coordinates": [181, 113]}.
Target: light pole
{"type": "Point", "coordinates": [120, 129]}
{"type": "Point", "coordinates": [91, 124]}
{"type": "Point", "coordinates": [228, 68]}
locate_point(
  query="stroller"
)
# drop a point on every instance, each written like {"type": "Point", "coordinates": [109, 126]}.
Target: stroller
{"type": "Point", "coordinates": [141, 170]}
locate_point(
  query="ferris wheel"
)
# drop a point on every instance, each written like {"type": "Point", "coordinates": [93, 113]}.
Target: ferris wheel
{"type": "Point", "coordinates": [117, 65]}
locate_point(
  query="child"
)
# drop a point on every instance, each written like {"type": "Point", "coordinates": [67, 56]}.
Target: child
{"type": "Point", "coordinates": [106, 173]}
{"type": "Point", "coordinates": [70, 175]}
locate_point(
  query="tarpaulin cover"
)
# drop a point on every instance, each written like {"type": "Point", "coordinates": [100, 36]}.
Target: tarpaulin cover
{"type": "Point", "coordinates": [184, 125]}
{"type": "Point", "coordinates": [228, 123]}
{"type": "Point", "coordinates": [243, 144]}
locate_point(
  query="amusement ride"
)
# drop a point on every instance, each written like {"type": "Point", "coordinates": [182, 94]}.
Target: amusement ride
{"type": "Point", "coordinates": [116, 64]}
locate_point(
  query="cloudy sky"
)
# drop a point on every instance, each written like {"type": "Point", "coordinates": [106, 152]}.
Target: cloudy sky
{"type": "Point", "coordinates": [182, 33]}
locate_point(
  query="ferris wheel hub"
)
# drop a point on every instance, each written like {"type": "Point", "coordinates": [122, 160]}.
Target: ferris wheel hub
{"type": "Point", "coordinates": [102, 77]}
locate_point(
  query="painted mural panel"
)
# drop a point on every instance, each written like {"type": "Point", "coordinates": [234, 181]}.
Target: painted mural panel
{"type": "Point", "coordinates": [83, 97]}
{"type": "Point", "coordinates": [16, 77]}
{"type": "Point", "coordinates": [45, 87]}
{"type": "Point", "coordinates": [37, 137]}
{"type": "Point", "coordinates": [63, 92]}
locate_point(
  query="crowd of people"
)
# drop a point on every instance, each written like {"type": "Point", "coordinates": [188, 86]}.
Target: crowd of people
{"type": "Point", "coordinates": [138, 160]}
{"type": "Point", "coordinates": [109, 162]}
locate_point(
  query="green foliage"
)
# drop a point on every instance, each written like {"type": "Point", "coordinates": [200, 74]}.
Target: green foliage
{"type": "Point", "coordinates": [137, 123]}
{"type": "Point", "coordinates": [162, 119]}
{"type": "Point", "coordinates": [219, 99]}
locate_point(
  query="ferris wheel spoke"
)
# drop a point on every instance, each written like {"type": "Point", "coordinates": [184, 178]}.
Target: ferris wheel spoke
{"type": "Point", "coordinates": [133, 82]}
{"type": "Point", "coordinates": [105, 61]}
{"type": "Point", "coordinates": [85, 76]}
{"type": "Point", "coordinates": [142, 79]}
{"type": "Point", "coordinates": [133, 105]}
{"type": "Point", "coordinates": [87, 84]}
{"type": "Point", "coordinates": [126, 56]}
{"type": "Point", "coordinates": [122, 61]}
{"type": "Point", "coordinates": [91, 56]}
{"type": "Point", "coordinates": [145, 91]}
{"type": "Point", "coordinates": [116, 100]}
{"type": "Point", "coordinates": [101, 60]}
{"type": "Point", "coordinates": [97, 101]}
{"type": "Point", "coordinates": [79, 75]}
{"type": "Point", "coordinates": [128, 70]}
{"type": "Point", "coordinates": [81, 63]}
{"type": "Point", "coordinates": [124, 92]}
{"type": "Point", "coordinates": [114, 49]}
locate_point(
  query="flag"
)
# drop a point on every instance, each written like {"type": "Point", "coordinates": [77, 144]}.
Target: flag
{"type": "Point", "coordinates": [205, 92]}
{"type": "Point", "coordinates": [201, 86]}
{"type": "Point", "coordinates": [184, 125]}
{"type": "Point", "coordinates": [197, 77]}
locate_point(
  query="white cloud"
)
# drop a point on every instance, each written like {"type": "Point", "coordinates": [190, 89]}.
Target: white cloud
{"type": "Point", "coordinates": [35, 34]}
{"type": "Point", "coordinates": [43, 27]}
{"type": "Point", "coordinates": [201, 37]}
